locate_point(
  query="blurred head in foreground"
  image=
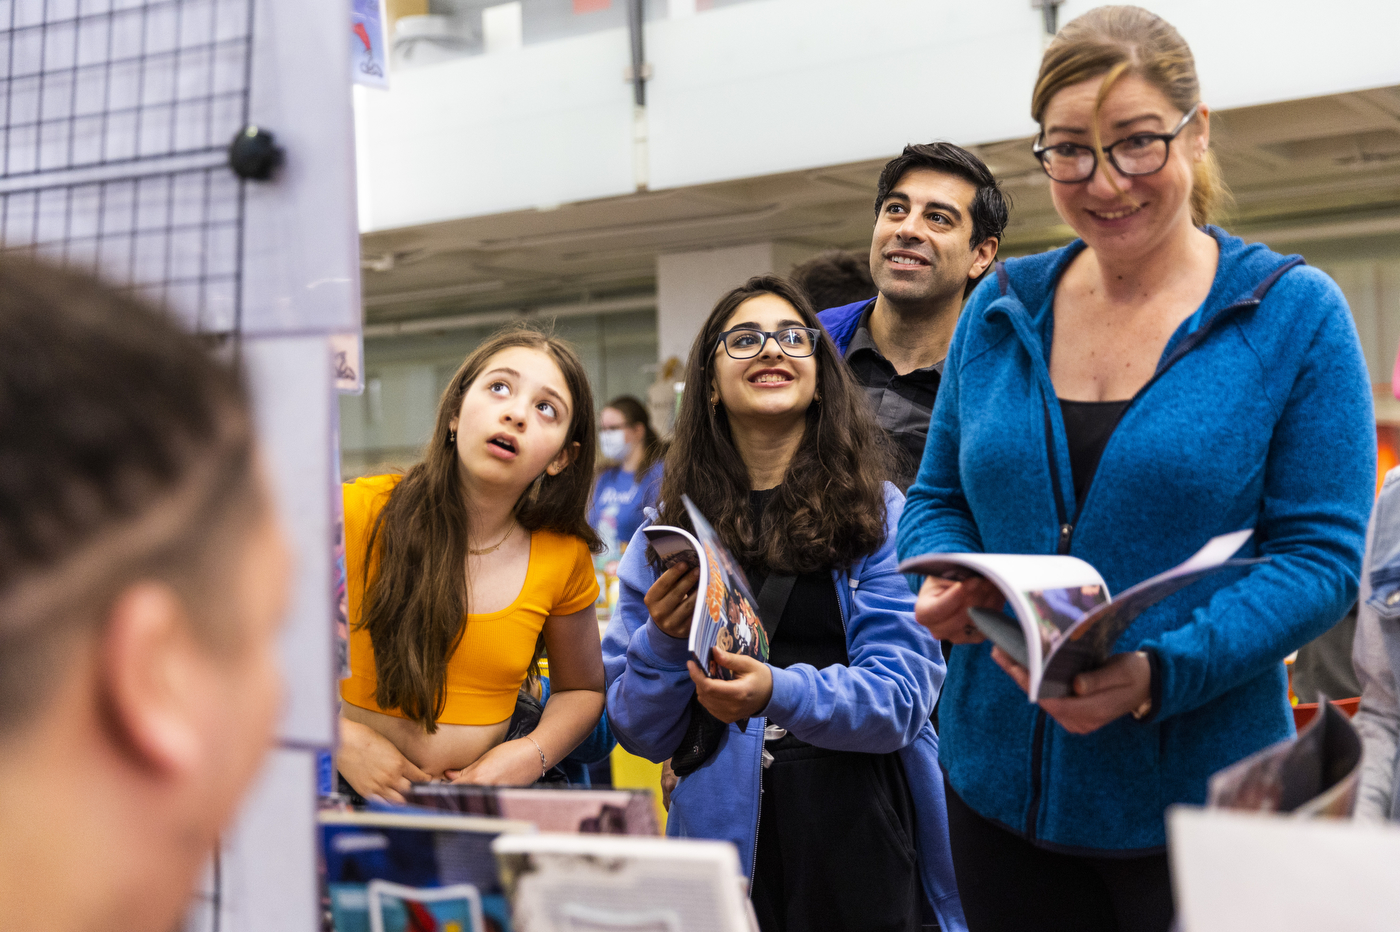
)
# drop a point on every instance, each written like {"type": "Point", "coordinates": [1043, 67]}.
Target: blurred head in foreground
{"type": "Point", "coordinates": [142, 583]}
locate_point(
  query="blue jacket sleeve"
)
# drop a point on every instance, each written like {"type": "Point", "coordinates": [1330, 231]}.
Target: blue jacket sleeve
{"type": "Point", "coordinates": [1318, 485]}
{"type": "Point", "coordinates": [649, 687]}
{"type": "Point", "coordinates": [878, 701]}
{"type": "Point", "coordinates": [936, 516]}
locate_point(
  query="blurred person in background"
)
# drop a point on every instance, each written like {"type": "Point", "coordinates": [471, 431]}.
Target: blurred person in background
{"type": "Point", "coordinates": [629, 475]}
{"type": "Point", "coordinates": [1376, 658]}
{"type": "Point", "coordinates": [1156, 383]}
{"type": "Point", "coordinates": [939, 218]}
{"type": "Point", "coordinates": [143, 578]}
{"type": "Point", "coordinates": [835, 278]}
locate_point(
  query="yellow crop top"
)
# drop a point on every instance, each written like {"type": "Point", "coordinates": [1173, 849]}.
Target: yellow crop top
{"type": "Point", "coordinates": [486, 671]}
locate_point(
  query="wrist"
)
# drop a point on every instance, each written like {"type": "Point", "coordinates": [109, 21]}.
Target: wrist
{"type": "Point", "coordinates": [544, 760]}
{"type": "Point", "coordinates": [1149, 699]}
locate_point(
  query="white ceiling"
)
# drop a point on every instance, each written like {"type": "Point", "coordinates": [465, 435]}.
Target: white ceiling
{"type": "Point", "coordinates": [1304, 170]}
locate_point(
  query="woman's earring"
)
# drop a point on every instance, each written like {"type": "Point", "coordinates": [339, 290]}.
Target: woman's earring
{"type": "Point", "coordinates": [451, 438]}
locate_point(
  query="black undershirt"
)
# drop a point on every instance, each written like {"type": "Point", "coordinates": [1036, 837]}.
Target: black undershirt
{"type": "Point", "coordinates": [1088, 425]}
{"type": "Point", "coordinates": [810, 630]}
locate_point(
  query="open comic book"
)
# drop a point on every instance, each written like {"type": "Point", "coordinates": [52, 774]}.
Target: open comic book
{"type": "Point", "coordinates": [1314, 774]}
{"type": "Point", "coordinates": [1063, 619]}
{"type": "Point", "coordinates": [726, 616]}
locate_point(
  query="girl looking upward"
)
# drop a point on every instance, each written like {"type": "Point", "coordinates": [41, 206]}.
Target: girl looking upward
{"type": "Point", "coordinates": [457, 567]}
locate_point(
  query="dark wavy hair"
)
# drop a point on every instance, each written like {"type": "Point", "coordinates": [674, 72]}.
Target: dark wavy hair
{"type": "Point", "coordinates": [830, 508]}
{"type": "Point", "coordinates": [415, 606]}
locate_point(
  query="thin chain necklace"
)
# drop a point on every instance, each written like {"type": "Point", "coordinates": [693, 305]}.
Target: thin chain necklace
{"type": "Point", "coordinates": [499, 544]}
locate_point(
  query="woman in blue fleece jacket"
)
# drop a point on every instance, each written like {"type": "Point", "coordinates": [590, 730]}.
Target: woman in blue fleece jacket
{"type": "Point", "coordinates": [776, 445]}
{"type": "Point", "coordinates": [1124, 399]}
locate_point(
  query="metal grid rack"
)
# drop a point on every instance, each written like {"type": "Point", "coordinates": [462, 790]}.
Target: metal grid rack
{"type": "Point", "coordinates": [115, 116]}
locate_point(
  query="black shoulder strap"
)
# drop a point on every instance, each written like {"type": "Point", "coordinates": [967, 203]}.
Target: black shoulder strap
{"type": "Point", "coordinates": [772, 599]}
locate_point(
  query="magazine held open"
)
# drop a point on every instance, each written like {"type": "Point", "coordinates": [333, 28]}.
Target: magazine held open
{"type": "Point", "coordinates": [726, 615]}
{"type": "Point", "coordinates": [1063, 619]}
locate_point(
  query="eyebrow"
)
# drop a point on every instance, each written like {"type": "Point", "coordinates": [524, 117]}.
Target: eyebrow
{"type": "Point", "coordinates": [944, 206]}
{"type": "Point", "coordinates": [1080, 131]}
{"type": "Point", "coordinates": [544, 388]}
{"type": "Point", "coordinates": [754, 325]}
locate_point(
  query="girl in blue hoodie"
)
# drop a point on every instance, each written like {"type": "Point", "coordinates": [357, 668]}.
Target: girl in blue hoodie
{"type": "Point", "coordinates": [1124, 399]}
{"type": "Point", "coordinates": [777, 447]}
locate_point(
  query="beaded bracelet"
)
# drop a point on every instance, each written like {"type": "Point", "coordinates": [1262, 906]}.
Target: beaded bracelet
{"type": "Point", "coordinates": [544, 768]}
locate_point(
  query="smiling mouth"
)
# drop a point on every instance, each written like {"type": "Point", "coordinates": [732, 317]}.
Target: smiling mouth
{"type": "Point", "coordinates": [1116, 214]}
{"type": "Point", "coordinates": [770, 377]}
{"type": "Point", "coordinates": [504, 443]}
{"type": "Point", "coordinates": [906, 260]}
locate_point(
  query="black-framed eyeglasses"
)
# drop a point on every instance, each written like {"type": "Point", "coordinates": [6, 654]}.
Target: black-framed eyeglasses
{"type": "Point", "coordinates": [746, 342]}
{"type": "Point", "coordinates": [1138, 154]}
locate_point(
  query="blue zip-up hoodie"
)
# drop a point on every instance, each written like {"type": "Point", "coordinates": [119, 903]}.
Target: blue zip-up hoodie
{"type": "Point", "coordinates": [1258, 416]}
{"type": "Point", "coordinates": [879, 703]}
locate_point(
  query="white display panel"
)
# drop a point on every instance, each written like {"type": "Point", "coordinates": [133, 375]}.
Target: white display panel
{"type": "Point", "coordinates": [264, 879]}
{"type": "Point", "coordinates": [294, 400]}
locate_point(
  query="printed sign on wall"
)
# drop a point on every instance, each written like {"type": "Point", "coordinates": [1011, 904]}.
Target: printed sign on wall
{"type": "Point", "coordinates": [369, 48]}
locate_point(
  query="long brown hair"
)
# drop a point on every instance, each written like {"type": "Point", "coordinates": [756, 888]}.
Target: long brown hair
{"type": "Point", "coordinates": [830, 509]}
{"type": "Point", "coordinates": [634, 412]}
{"type": "Point", "coordinates": [1116, 40]}
{"type": "Point", "coordinates": [415, 606]}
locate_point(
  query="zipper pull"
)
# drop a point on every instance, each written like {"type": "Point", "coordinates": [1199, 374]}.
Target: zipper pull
{"type": "Point", "coordinates": [1066, 531]}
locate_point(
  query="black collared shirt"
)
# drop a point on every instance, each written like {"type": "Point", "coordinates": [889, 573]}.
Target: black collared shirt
{"type": "Point", "coordinates": [903, 404]}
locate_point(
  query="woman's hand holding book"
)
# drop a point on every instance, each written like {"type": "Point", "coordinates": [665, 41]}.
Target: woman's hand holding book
{"type": "Point", "coordinates": [1123, 686]}
{"type": "Point", "coordinates": [671, 599]}
{"type": "Point", "coordinates": [943, 604]}
{"type": "Point", "coordinates": [742, 697]}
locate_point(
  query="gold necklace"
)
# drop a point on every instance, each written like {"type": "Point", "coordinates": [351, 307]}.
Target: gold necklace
{"type": "Point", "coordinates": [499, 544]}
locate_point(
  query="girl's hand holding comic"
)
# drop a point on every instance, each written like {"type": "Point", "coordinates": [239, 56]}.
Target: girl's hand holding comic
{"type": "Point", "coordinates": [742, 697]}
{"type": "Point", "coordinates": [1118, 688]}
{"type": "Point", "coordinates": [510, 763]}
{"type": "Point", "coordinates": [943, 604]}
{"type": "Point", "coordinates": [373, 765]}
{"type": "Point", "coordinates": [671, 599]}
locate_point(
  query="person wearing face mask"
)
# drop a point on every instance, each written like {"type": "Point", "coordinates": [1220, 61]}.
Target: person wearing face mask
{"type": "Point", "coordinates": [1124, 399]}
{"type": "Point", "coordinates": [629, 474]}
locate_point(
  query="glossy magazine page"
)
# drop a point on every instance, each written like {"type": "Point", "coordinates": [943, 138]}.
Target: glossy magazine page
{"type": "Point", "coordinates": [726, 613]}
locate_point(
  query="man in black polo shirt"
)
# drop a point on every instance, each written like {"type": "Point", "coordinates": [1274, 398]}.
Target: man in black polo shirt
{"type": "Point", "coordinates": [939, 218]}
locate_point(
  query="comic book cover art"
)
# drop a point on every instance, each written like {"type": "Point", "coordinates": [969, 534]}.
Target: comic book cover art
{"type": "Point", "coordinates": [726, 616]}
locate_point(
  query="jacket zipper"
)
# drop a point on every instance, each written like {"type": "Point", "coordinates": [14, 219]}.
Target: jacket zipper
{"type": "Point", "coordinates": [1065, 536]}
{"type": "Point", "coordinates": [758, 815]}
{"type": "Point", "coordinates": [758, 810]}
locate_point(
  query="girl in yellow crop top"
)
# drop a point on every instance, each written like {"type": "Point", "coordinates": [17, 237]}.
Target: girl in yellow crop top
{"type": "Point", "coordinates": [457, 567]}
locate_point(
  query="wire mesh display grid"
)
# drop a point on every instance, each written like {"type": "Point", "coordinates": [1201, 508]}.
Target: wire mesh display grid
{"type": "Point", "coordinates": [115, 116]}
